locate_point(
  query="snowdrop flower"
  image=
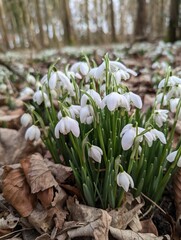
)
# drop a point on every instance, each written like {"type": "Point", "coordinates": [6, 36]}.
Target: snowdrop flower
{"type": "Point", "coordinates": [95, 96]}
{"type": "Point", "coordinates": [26, 92]}
{"type": "Point", "coordinates": [175, 91]}
{"type": "Point", "coordinates": [158, 135]}
{"type": "Point", "coordinates": [173, 106]}
{"type": "Point", "coordinates": [134, 98]}
{"type": "Point", "coordinates": [93, 73]}
{"type": "Point", "coordinates": [115, 100]}
{"type": "Point", "coordinates": [80, 67]}
{"type": "Point", "coordinates": [171, 157]}
{"type": "Point", "coordinates": [44, 79]}
{"type": "Point", "coordinates": [95, 153]}
{"type": "Point", "coordinates": [59, 115]}
{"type": "Point", "coordinates": [121, 74]}
{"type": "Point", "coordinates": [74, 111]}
{"type": "Point", "coordinates": [172, 81]}
{"type": "Point", "coordinates": [74, 75]}
{"type": "Point", "coordinates": [40, 96]}
{"type": "Point", "coordinates": [159, 99]}
{"type": "Point", "coordinates": [160, 116]}
{"type": "Point", "coordinates": [66, 125]}
{"type": "Point", "coordinates": [124, 180]}
{"type": "Point", "coordinates": [32, 133]}
{"type": "Point", "coordinates": [128, 135]}
{"type": "Point", "coordinates": [114, 66]}
{"type": "Point", "coordinates": [26, 119]}
{"type": "Point", "coordinates": [31, 79]}
{"type": "Point", "coordinates": [87, 114]}
{"type": "Point", "coordinates": [59, 79]}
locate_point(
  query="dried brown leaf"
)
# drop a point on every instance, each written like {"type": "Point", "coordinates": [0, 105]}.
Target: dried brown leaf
{"type": "Point", "coordinates": [130, 235]}
{"type": "Point", "coordinates": [97, 221]}
{"type": "Point", "coordinates": [9, 222]}
{"type": "Point", "coordinates": [135, 224]}
{"type": "Point", "coordinates": [122, 216]}
{"type": "Point", "coordinates": [13, 146]}
{"type": "Point", "coordinates": [46, 197]}
{"type": "Point", "coordinates": [43, 220]}
{"type": "Point", "coordinates": [59, 171]}
{"type": "Point", "coordinates": [149, 227]}
{"type": "Point", "coordinates": [37, 173]}
{"type": "Point", "coordinates": [17, 191]}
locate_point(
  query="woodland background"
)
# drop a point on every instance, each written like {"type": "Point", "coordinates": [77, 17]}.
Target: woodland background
{"type": "Point", "coordinates": [54, 23]}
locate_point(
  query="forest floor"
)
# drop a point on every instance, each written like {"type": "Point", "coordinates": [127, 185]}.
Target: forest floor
{"type": "Point", "coordinates": [150, 61]}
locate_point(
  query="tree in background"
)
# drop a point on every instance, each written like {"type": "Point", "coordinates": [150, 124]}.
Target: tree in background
{"type": "Point", "coordinates": [173, 22]}
{"type": "Point", "coordinates": [141, 20]}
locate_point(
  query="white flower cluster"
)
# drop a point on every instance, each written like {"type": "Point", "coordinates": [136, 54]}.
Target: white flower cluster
{"type": "Point", "coordinates": [80, 106]}
{"type": "Point", "coordinates": [172, 95]}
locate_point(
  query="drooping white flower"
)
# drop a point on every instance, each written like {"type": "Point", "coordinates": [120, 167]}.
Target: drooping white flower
{"type": "Point", "coordinates": [175, 91]}
{"type": "Point", "coordinates": [26, 119]}
{"type": "Point", "coordinates": [128, 135]}
{"type": "Point", "coordinates": [31, 79]}
{"type": "Point", "coordinates": [160, 116]}
{"type": "Point", "coordinates": [73, 74]}
{"type": "Point", "coordinates": [87, 114]}
{"type": "Point", "coordinates": [66, 125]}
{"type": "Point", "coordinates": [44, 79]}
{"type": "Point", "coordinates": [159, 99]}
{"type": "Point", "coordinates": [173, 104]}
{"type": "Point", "coordinates": [115, 100]}
{"type": "Point", "coordinates": [59, 79]}
{"type": "Point", "coordinates": [94, 95]}
{"type": "Point", "coordinates": [171, 157]}
{"type": "Point", "coordinates": [27, 91]}
{"type": "Point", "coordinates": [40, 97]}
{"type": "Point", "coordinates": [134, 99]}
{"type": "Point", "coordinates": [172, 81]}
{"type": "Point", "coordinates": [124, 180]}
{"type": "Point", "coordinates": [158, 135]}
{"type": "Point", "coordinates": [80, 67]}
{"type": "Point", "coordinates": [121, 74]}
{"type": "Point", "coordinates": [95, 153]}
{"type": "Point", "coordinates": [59, 115]}
{"type": "Point", "coordinates": [93, 73]}
{"type": "Point", "coordinates": [114, 67]}
{"type": "Point", "coordinates": [74, 111]}
{"type": "Point", "coordinates": [32, 133]}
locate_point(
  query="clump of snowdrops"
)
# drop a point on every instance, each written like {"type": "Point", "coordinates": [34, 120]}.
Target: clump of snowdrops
{"type": "Point", "coordinates": [89, 120]}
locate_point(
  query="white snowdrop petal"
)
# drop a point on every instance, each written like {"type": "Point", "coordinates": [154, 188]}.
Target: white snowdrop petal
{"type": "Point", "coordinates": [171, 156]}
{"type": "Point", "coordinates": [26, 119]}
{"type": "Point", "coordinates": [53, 81]}
{"type": "Point", "coordinates": [75, 128]}
{"type": "Point", "coordinates": [127, 139]}
{"type": "Point", "coordinates": [123, 181]}
{"type": "Point", "coordinates": [125, 129]}
{"type": "Point", "coordinates": [136, 100]}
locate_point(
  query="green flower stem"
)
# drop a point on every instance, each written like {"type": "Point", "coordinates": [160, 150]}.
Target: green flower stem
{"type": "Point", "coordinates": [165, 86]}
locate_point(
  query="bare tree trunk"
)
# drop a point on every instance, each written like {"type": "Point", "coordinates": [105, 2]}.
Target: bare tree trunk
{"type": "Point", "coordinates": [173, 23]}
{"type": "Point", "coordinates": [3, 25]}
{"type": "Point", "coordinates": [46, 20]}
{"type": "Point", "coordinates": [40, 22]}
{"type": "Point", "coordinates": [87, 20]}
{"type": "Point", "coordinates": [140, 25]}
{"type": "Point", "coordinates": [66, 21]}
{"type": "Point", "coordinates": [113, 30]}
